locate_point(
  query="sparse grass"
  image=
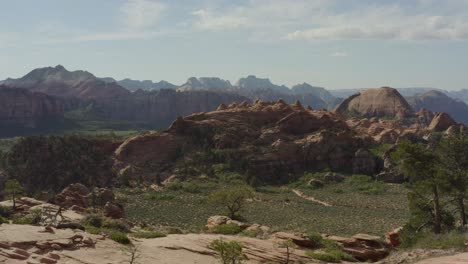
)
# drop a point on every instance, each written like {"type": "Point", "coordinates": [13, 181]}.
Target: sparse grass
{"type": "Point", "coordinates": [280, 209]}
{"type": "Point", "coordinates": [147, 235]}
{"type": "Point", "coordinates": [451, 240]}
{"type": "Point", "coordinates": [330, 256]}
{"type": "Point", "coordinates": [158, 196]}
{"type": "Point", "coordinates": [120, 237]}
{"type": "Point", "coordinates": [23, 220]}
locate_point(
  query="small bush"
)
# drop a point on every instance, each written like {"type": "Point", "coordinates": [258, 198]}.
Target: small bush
{"type": "Point", "coordinates": [120, 237]}
{"type": "Point", "coordinates": [229, 252]}
{"type": "Point", "coordinates": [93, 230]}
{"type": "Point", "coordinates": [147, 235]}
{"type": "Point", "coordinates": [425, 240]}
{"type": "Point", "coordinates": [23, 221]}
{"type": "Point", "coordinates": [174, 186]}
{"type": "Point", "coordinates": [365, 184]}
{"type": "Point", "coordinates": [331, 256]}
{"type": "Point", "coordinates": [117, 225]}
{"type": "Point", "coordinates": [315, 237]}
{"type": "Point", "coordinates": [36, 216]}
{"type": "Point", "coordinates": [227, 229]}
{"type": "Point", "coordinates": [93, 220]}
{"type": "Point", "coordinates": [3, 220]}
{"type": "Point", "coordinates": [6, 211]}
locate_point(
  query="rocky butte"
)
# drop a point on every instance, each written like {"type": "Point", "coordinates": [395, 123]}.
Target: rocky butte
{"type": "Point", "coordinates": [278, 139]}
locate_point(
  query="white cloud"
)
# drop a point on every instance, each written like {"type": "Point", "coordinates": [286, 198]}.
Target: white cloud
{"type": "Point", "coordinates": [108, 36]}
{"type": "Point", "coordinates": [339, 54]}
{"type": "Point", "coordinates": [207, 20]}
{"type": "Point", "coordinates": [331, 20]}
{"type": "Point", "coordinates": [367, 25]}
{"type": "Point", "coordinates": [141, 14]}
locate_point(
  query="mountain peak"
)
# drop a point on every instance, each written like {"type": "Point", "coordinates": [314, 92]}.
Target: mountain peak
{"type": "Point", "coordinates": [60, 68]}
{"type": "Point", "coordinates": [376, 102]}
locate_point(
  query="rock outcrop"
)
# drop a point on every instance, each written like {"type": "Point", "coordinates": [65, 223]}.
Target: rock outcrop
{"type": "Point", "coordinates": [78, 197]}
{"type": "Point", "coordinates": [288, 139]}
{"type": "Point", "coordinates": [24, 109]}
{"type": "Point", "coordinates": [437, 101]}
{"type": "Point", "coordinates": [380, 102]}
{"type": "Point", "coordinates": [442, 122]}
{"type": "Point", "coordinates": [205, 83]}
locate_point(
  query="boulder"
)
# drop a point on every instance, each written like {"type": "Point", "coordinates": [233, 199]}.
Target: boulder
{"type": "Point", "coordinates": [113, 210]}
{"type": "Point", "coordinates": [393, 237]}
{"type": "Point", "coordinates": [333, 177]}
{"type": "Point", "coordinates": [363, 247]}
{"type": "Point", "coordinates": [217, 220]}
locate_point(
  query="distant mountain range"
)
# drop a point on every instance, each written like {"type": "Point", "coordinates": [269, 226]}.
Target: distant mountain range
{"type": "Point", "coordinates": [157, 103]}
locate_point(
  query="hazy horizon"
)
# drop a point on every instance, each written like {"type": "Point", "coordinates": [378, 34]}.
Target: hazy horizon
{"type": "Point", "coordinates": [328, 43]}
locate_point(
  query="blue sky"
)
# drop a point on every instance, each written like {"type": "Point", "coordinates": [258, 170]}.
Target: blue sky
{"type": "Point", "coordinates": [331, 43]}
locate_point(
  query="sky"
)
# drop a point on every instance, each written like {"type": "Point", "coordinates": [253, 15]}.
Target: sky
{"type": "Point", "coordinates": [335, 44]}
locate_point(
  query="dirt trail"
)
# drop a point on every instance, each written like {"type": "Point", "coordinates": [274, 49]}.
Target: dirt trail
{"type": "Point", "coordinates": [310, 198]}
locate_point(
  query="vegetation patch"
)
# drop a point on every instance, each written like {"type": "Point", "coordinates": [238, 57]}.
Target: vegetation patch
{"type": "Point", "coordinates": [119, 237]}
{"type": "Point", "coordinates": [147, 235]}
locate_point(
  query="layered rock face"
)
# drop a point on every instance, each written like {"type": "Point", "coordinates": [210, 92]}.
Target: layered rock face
{"type": "Point", "coordinates": [160, 108]}
{"type": "Point", "coordinates": [134, 85]}
{"type": "Point", "coordinates": [20, 107]}
{"type": "Point", "coordinates": [380, 102]}
{"type": "Point", "coordinates": [437, 101]}
{"type": "Point", "coordinates": [205, 83]}
{"type": "Point", "coordinates": [274, 139]}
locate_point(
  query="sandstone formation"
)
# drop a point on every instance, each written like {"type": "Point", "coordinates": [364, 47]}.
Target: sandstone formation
{"type": "Point", "coordinates": [441, 122]}
{"type": "Point", "coordinates": [380, 102]}
{"type": "Point", "coordinates": [278, 139]}
{"type": "Point", "coordinates": [78, 197]}
{"type": "Point", "coordinates": [437, 101]}
{"type": "Point", "coordinates": [288, 139]}
{"type": "Point", "coordinates": [22, 108]}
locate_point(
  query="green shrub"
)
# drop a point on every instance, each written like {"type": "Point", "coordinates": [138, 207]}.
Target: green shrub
{"type": "Point", "coordinates": [23, 220]}
{"type": "Point", "coordinates": [93, 220]}
{"type": "Point", "coordinates": [6, 211]}
{"type": "Point", "coordinates": [3, 220]}
{"type": "Point", "coordinates": [331, 256]}
{"type": "Point", "coordinates": [117, 225]}
{"type": "Point", "coordinates": [36, 216]}
{"type": "Point", "coordinates": [427, 240]}
{"type": "Point", "coordinates": [365, 184]}
{"type": "Point", "coordinates": [174, 186]}
{"type": "Point", "coordinates": [93, 230]}
{"type": "Point", "coordinates": [227, 229]}
{"type": "Point", "coordinates": [120, 237]}
{"type": "Point", "coordinates": [229, 252]}
{"type": "Point", "coordinates": [153, 234]}
{"type": "Point", "coordinates": [315, 237]}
